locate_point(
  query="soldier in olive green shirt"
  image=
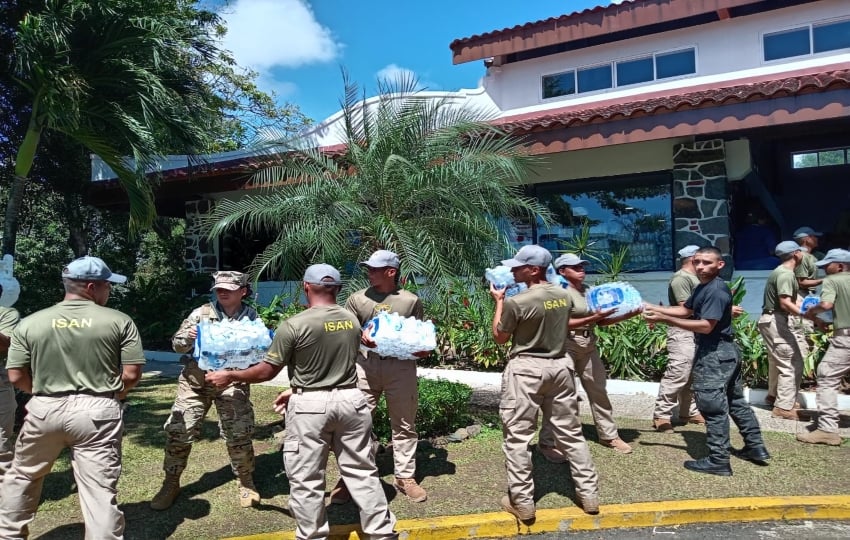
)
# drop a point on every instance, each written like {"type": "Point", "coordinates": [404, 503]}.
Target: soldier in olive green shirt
{"type": "Point", "coordinates": [785, 359]}
{"type": "Point", "coordinates": [539, 376]}
{"type": "Point", "coordinates": [9, 319]}
{"type": "Point", "coordinates": [836, 362]}
{"type": "Point", "coordinates": [78, 359]}
{"type": "Point", "coordinates": [324, 409]}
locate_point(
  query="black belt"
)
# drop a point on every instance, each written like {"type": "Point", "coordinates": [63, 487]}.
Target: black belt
{"type": "Point", "coordinates": [323, 388]}
{"type": "Point", "coordinates": [841, 332]}
{"type": "Point", "coordinates": [584, 332]}
{"type": "Point", "coordinates": [78, 393]}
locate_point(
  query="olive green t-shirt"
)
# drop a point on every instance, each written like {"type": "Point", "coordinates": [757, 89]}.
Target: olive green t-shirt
{"type": "Point", "coordinates": [537, 318]}
{"type": "Point", "coordinates": [807, 269]}
{"type": "Point", "coordinates": [367, 303]}
{"type": "Point", "coordinates": [76, 346]}
{"type": "Point", "coordinates": [780, 282]}
{"type": "Point", "coordinates": [9, 319]}
{"type": "Point", "coordinates": [578, 300]}
{"type": "Point", "coordinates": [836, 291]}
{"type": "Point", "coordinates": [318, 347]}
{"type": "Point", "coordinates": [681, 287]}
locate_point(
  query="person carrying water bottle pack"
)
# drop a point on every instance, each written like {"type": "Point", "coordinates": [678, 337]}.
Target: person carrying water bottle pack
{"type": "Point", "coordinates": [195, 397]}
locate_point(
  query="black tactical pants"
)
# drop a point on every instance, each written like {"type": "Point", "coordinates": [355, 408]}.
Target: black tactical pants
{"type": "Point", "coordinates": [719, 394]}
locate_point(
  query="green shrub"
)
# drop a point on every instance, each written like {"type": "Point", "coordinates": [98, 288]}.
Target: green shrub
{"type": "Point", "coordinates": [279, 308]}
{"type": "Point", "coordinates": [443, 408]}
{"type": "Point", "coordinates": [633, 350]}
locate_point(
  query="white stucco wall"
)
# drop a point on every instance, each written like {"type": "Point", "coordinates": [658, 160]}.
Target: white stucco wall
{"type": "Point", "coordinates": [727, 49]}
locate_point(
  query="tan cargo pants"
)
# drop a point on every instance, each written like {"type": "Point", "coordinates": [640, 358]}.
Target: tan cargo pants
{"type": "Point", "coordinates": [675, 386]}
{"type": "Point", "coordinates": [91, 427]}
{"type": "Point", "coordinates": [8, 405]}
{"type": "Point", "coordinates": [338, 420]}
{"type": "Point", "coordinates": [531, 384]}
{"type": "Point", "coordinates": [396, 379]}
{"type": "Point", "coordinates": [834, 365]}
{"type": "Point", "coordinates": [591, 372]}
{"type": "Point", "coordinates": [785, 360]}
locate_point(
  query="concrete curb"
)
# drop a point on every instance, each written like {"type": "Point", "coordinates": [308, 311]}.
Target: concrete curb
{"type": "Point", "coordinates": [614, 516]}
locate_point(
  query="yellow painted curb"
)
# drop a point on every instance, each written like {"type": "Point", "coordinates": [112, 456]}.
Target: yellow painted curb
{"type": "Point", "coordinates": [613, 516]}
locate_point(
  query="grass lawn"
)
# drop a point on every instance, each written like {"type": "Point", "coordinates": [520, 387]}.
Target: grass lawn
{"type": "Point", "coordinates": [460, 478]}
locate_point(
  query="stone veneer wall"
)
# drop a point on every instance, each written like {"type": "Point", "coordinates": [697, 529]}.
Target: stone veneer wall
{"type": "Point", "coordinates": [700, 196]}
{"type": "Point", "coordinates": [201, 254]}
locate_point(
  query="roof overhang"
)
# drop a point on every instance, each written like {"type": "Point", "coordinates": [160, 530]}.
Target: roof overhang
{"type": "Point", "coordinates": [757, 102]}
{"type": "Point", "coordinates": [606, 23]}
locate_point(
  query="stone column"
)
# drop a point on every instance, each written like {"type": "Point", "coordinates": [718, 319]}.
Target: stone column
{"type": "Point", "coordinates": [700, 197]}
{"type": "Point", "coordinates": [201, 254]}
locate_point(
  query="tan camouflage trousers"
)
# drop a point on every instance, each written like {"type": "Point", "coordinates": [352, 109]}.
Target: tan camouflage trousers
{"type": "Point", "coordinates": [236, 422]}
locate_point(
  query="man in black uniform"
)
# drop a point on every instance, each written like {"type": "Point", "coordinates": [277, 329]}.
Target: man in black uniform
{"type": "Point", "coordinates": [324, 409]}
{"type": "Point", "coordinates": [717, 366]}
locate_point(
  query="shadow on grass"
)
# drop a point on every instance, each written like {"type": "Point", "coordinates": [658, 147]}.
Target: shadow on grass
{"type": "Point", "coordinates": [694, 443]}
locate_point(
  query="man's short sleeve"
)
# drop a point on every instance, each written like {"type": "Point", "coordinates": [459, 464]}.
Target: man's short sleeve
{"type": "Point", "coordinates": [510, 317]}
{"type": "Point", "coordinates": [786, 285]}
{"type": "Point", "coordinates": [689, 303]}
{"type": "Point", "coordinates": [19, 352]}
{"type": "Point", "coordinates": [714, 305]}
{"type": "Point", "coordinates": [828, 293]}
{"type": "Point", "coordinates": [9, 319]}
{"type": "Point", "coordinates": [418, 310]}
{"type": "Point", "coordinates": [132, 351]}
{"type": "Point", "coordinates": [283, 345]}
{"type": "Point", "coordinates": [681, 288]}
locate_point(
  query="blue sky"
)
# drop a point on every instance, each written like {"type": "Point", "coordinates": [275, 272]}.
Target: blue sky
{"type": "Point", "coordinates": [299, 46]}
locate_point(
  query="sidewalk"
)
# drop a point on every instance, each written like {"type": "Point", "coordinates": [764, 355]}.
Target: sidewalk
{"type": "Point", "coordinates": [630, 400]}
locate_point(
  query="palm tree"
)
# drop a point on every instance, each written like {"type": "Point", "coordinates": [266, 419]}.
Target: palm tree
{"type": "Point", "coordinates": [416, 175]}
{"type": "Point", "coordinates": [118, 78]}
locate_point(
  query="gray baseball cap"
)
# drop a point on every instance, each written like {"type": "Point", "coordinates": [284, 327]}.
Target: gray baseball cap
{"type": "Point", "coordinates": [91, 269]}
{"type": "Point", "coordinates": [568, 259]}
{"type": "Point", "coordinates": [803, 232]}
{"type": "Point", "coordinates": [316, 274]}
{"type": "Point", "coordinates": [382, 259]}
{"type": "Point", "coordinates": [688, 251]}
{"type": "Point", "coordinates": [835, 255]}
{"type": "Point", "coordinates": [532, 255]}
{"type": "Point", "coordinates": [786, 247]}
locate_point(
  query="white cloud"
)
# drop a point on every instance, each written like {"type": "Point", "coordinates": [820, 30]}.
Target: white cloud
{"type": "Point", "coordinates": [392, 73]}
{"type": "Point", "coordinates": [263, 34]}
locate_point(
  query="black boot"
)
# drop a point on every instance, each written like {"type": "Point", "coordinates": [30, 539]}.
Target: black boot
{"type": "Point", "coordinates": [756, 454]}
{"type": "Point", "coordinates": [706, 465]}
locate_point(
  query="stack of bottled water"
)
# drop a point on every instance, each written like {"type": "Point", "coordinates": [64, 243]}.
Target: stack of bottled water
{"type": "Point", "coordinates": [400, 337]}
{"type": "Point", "coordinates": [231, 344]}
{"type": "Point", "coordinates": [502, 278]}
{"type": "Point", "coordinates": [810, 302]}
{"type": "Point", "coordinates": [553, 277]}
{"type": "Point", "coordinates": [617, 295]}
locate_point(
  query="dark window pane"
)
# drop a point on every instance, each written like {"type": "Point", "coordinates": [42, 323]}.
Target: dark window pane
{"type": "Point", "coordinates": [561, 84]}
{"type": "Point", "coordinates": [675, 64]}
{"type": "Point", "coordinates": [634, 71]}
{"type": "Point", "coordinates": [830, 37]}
{"type": "Point", "coordinates": [595, 78]}
{"type": "Point", "coordinates": [633, 213]}
{"type": "Point", "coordinates": [786, 44]}
{"type": "Point", "coordinates": [830, 157]}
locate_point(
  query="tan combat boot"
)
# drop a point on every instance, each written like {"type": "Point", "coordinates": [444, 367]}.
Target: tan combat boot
{"type": "Point", "coordinates": [167, 493]}
{"type": "Point", "coordinates": [248, 495]}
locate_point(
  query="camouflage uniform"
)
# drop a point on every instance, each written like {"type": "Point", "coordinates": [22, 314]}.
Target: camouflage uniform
{"type": "Point", "coordinates": [194, 398]}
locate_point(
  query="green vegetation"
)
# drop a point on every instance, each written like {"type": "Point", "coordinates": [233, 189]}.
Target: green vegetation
{"type": "Point", "coordinates": [443, 407]}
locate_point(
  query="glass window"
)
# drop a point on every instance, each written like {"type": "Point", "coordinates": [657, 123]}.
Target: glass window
{"type": "Point", "coordinates": [830, 37]}
{"type": "Point", "coordinates": [595, 78]}
{"type": "Point", "coordinates": [804, 160]}
{"type": "Point", "coordinates": [560, 84]}
{"type": "Point", "coordinates": [830, 157]}
{"type": "Point", "coordinates": [786, 44]}
{"type": "Point", "coordinates": [635, 71]}
{"type": "Point", "coordinates": [631, 212]}
{"type": "Point", "coordinates": [675, 63]}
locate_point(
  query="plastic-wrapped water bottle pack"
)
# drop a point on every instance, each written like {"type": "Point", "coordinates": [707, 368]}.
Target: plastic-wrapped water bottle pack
{"type": "Point", "coordinates": [400, 337]}
{"type": "Point", "coordinates": [502, 278]}
{"type": "Point", "coordinates": [810, 302]}
{"type": "Point", "coordinates": [553, 277]}
{"type": "Point", "coordinates": [231, 344]}
{"type": "Point", "coordinates": [617, 295]}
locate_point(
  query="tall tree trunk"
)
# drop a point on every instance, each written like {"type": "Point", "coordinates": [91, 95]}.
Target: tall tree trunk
{"type": "Point", "coordinates": [23, 164]}
{"type": "Point", "coordinates": [77, 237]}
